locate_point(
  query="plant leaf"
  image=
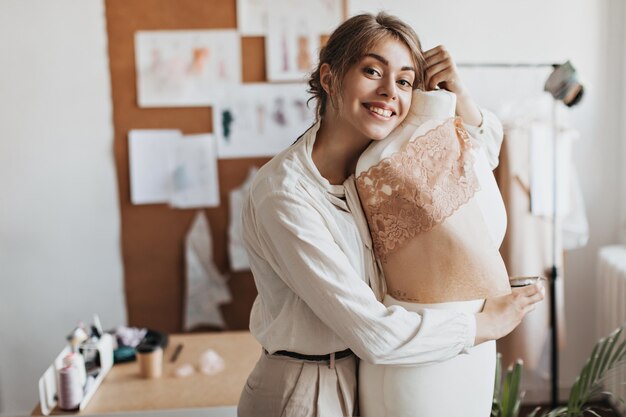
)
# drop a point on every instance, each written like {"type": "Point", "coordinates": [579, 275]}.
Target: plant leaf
{"type": "Point", "coordinates": [597, 360]}
{"type": "Point", "coordinates": [498, 378]}
{"type": "Point", "coordinates": [606, 359]}
{"type": "Point", "coordinates": [506, 391]}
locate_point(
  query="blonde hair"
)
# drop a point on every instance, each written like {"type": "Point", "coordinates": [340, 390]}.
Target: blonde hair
{"type": "Point", "coordinates": [350, 42]}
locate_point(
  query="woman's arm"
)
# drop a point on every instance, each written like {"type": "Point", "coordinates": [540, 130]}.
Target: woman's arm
{"type": "Point", "coordinates": [441, 72]}
{"type": "Point", "coordinates": [293, 238]}
{"type": "Point", "coordinates": [289, 234]}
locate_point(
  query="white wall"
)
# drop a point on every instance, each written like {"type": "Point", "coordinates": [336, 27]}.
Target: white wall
{"type": "Point", "coordinates": [59, 219]}
{"type": "Point", "coordinates": [531, 32]}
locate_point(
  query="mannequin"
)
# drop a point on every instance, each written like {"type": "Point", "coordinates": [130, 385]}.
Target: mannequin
{"type": "Point", "coordinates": [437, 219]}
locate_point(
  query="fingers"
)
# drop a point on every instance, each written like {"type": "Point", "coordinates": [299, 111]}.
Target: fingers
{"type": "Point", "coordinates": [434, 51]}
{"type": "Point", "coordinates": [432, 81]}
{"type": "Point", "coordinates": [441, 70]}
{"type": "Point", "coordinates": [527, 297]}
{"type": "Point", "coordinates": [528, 308]}
{"type": "Point", "coordinates": [535, 298]}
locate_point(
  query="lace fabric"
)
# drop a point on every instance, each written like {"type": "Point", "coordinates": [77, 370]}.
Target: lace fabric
{"type": "Point", "coordinates": [419, 186]}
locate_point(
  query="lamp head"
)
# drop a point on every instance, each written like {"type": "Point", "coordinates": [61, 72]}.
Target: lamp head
{"type": "Point", "coordinates": [563, 84]}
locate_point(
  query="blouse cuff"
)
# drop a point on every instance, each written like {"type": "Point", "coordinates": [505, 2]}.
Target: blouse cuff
{"type": "Point", "coordinates": [470, 334]}
{"type": "Point", "coordinates": [476, 131]}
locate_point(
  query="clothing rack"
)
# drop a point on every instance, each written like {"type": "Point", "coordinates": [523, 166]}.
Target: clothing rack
{"type": "Point", "coordinates": [504, 65]}
{"type": "Point", "coordinates": [554, 354]}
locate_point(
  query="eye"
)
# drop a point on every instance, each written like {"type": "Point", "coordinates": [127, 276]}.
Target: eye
{"type": "Point", "coordinates": [371, 71]}
{"type": "Point", "coordinates": [405, 83]}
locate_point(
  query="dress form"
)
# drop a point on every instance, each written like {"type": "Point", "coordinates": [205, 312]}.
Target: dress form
{"type": "Point", "coordinates": [462, 385]}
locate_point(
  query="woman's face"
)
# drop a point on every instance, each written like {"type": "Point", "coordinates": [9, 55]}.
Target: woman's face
{"type": "Point", "coordinates": [377, 90]}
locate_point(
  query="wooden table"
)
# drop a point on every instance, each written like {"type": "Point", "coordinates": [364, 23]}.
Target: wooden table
{"type": "Point", "coordinates": [123, 390]}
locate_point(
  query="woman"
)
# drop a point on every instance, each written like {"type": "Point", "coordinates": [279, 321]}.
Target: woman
{"type": "Point", "coordinates": [311, 253]}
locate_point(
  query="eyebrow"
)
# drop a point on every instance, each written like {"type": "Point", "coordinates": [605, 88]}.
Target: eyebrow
{"type": "Point", "coordinates": [386, 62]}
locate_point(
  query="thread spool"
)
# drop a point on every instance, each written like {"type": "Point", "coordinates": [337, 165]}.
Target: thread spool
{"type": "Point", "coordinates": [150, 358]}
{"type": "Point", "coordinates": [70, 391]}
{"type": "Point", "coordinates": [76, 360]}
{"type": "Point", "coordinates": [524, 281]}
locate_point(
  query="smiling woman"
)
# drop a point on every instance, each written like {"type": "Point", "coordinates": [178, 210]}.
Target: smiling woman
{"type": "Point", "coordinates": [309, 245]}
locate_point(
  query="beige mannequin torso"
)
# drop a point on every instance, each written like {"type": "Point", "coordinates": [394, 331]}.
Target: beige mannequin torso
{"type": "Point", "coordinates": [450, 253]}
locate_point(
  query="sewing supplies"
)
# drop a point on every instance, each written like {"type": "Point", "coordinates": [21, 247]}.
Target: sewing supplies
{"type": "Point", "coordinates": [176, 353]}
{"type": "Point", "coordinates": [150, 358]}
{"type": "Point", "coordinates": [70, 390]}
{"type": "Point", "coordinates": [76, 360]}
{"type": "Point", "coordinates": [524, 281]}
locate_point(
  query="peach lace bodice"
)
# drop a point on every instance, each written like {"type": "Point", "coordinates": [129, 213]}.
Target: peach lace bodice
{"type": "Point", "coordinates": [426, 227]}
{"type": "Point", "coordinates": [418, 187]}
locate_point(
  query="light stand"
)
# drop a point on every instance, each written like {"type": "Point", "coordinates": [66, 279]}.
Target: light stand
{"type": "Point", "coordinates": [554, 352]}
{"type": "Point", "coordinates": [563, 85]}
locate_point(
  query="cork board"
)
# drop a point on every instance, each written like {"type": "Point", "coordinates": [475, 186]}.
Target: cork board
{"type": "Point", "coordinates": [153, 235]}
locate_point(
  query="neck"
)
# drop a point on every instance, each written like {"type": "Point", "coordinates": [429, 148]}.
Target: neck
{"type": "Point", "coordinates": [337, 148]}
{"type": "Point", "coordinates": [431, 105]}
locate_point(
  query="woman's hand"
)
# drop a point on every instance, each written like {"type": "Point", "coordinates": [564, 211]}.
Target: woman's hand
{"type": "Point", "coordinates": [441, 72]}
{"type": "Point", "coordinates": [503, 314]}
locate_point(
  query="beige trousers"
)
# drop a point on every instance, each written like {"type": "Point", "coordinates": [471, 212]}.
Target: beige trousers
{"type": "Point", "coordinates": [280, 386]}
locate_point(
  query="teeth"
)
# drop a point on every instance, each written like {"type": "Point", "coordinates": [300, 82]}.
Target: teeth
{"type": "Point", "coordinates": [382, 112]}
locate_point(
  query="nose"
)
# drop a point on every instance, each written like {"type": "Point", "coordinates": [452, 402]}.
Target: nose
{"type": "Point", "coordinates": [388, 89]}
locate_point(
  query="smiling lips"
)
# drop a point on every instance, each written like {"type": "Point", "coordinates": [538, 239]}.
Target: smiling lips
{"type": "Point", "coordinates": [384, 112]}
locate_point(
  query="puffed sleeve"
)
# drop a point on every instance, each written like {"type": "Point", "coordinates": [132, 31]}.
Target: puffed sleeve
{"type": "Point", "coordinates": [489, 134]}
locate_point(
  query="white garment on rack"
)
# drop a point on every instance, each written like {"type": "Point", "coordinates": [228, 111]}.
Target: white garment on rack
{"type": "Point", "coordinates": [527, 249]}
{"type": "Point", "coordinates": [532, 120]}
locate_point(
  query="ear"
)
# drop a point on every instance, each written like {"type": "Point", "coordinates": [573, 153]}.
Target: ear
{"type": "Point", "coordinates": [325, 78]}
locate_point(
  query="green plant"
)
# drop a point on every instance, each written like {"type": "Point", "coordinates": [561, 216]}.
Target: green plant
{"type": "Point", "coordinates": [607, 355]}
{"type": "Point", "coordinates": [507, 394]}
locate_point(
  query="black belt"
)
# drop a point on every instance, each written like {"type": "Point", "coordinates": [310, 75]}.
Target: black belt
{"type": "Point", "coordinates": [319, 358]}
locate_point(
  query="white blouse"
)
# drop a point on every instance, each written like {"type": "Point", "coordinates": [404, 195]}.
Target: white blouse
{"type": "Point", "coordinates": [312, 260]}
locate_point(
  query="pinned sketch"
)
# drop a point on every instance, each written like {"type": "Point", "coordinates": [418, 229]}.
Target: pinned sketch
{"type": "Point", "coordinates": [236, 251]}
{"type": "Point", "coordinates": [292, 42]}
{"type": "Point", "coordinates": [252, 17]}
{"type": "Point", "coordinates": [183, 68]}
{"type": "Point", "coordinates": [261, 119]}
{"type": "Point", "coordinates": [194, 175]}
{"type": "Point", "coordinates": [323, 15]}
{"type": "Point", "coordinates": [328, 14]}
{"type": "Point", "coordinates": [150, 155]}
{"type": "Point", "coordinates": [207, 288]}
{"type": "Point", "coordinates": [168, 167]}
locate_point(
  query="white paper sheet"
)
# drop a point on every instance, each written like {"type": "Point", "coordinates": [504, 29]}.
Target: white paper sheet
{"type": "Point", "coordinates": [323, 15]}
{"type": "Point", "coordinates": [183, 68]}
{"type": "Point", "coordinates": [150, 153]}
{"type": "Point", "coordinates": [194, 176]}
{"type": "Point", "coordinates": [261, 119]}
{"type": "Point", "coordinates": [236, 252]}
{"type": "Point", "coordinates": [207, 288]}
{"type": "Point", "coordinates": [328, 14]}
{"type": "Point", "coordinates": [167, 167]}
{"type": "Point", "coordinates": [252, 17]}
{"type": "Point", "coordinates": [292, 41]}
